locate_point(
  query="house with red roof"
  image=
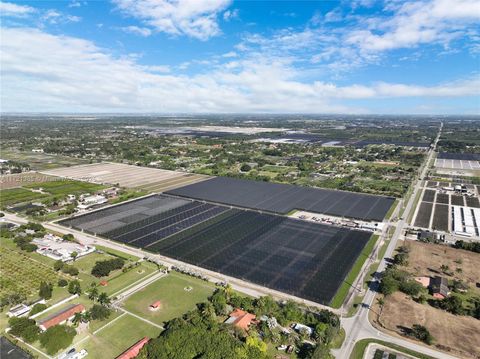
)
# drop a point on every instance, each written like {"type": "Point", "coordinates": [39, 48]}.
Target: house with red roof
{"type": "Point", "coordinates": [133, 351]}
{"type": "Point", "coordinates": [61, 317]}
{"type": "Point", "coordinates": [241, 319]}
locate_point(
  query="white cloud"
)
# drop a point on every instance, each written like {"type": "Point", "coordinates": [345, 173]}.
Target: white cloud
{"type": "Point", "coordinates": [415, 23]}
{"type": "Point", "coordinates": [197, 19]}
{"type": "Point", "coordinates": [55, 17]}
{"type": "Point", "coordinates": [44, 72]}
{"type": "Point", "coordinates": [230, 15]}
{"type": "Point", "coordinates": [142, 31]}
{"type": "Point", "coordinates": [10, 9]}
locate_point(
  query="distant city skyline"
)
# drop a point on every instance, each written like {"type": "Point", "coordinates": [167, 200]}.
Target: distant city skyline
{"type": "Point", "coordinates": [223, 56]}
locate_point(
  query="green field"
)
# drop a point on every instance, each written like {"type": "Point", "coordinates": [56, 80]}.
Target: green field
{"type": "Point", "coordinates": [63, 187]}
{"type": "Point", "coordinates": [117, 280]}
{"type": "Point", "coordinates": [342, 292]}
{"type": "Point", "coordinates": [170, 291]}
{"type": "Point", "coordinates": [118, 336]}
{"type": "Point", "coordinates": [19, 195]}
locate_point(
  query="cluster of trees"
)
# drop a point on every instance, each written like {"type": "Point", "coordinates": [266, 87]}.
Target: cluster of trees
{"type": "Point", "coordinates": [421, 333]}
{"type": "Point", "coordinates": [201, 333]}
{"type": "Point", "coordinates": [24, 328]}
{"type": "Point", "coordinates": [56, 338]}
{"type": "Point", "coordinates": [103, 268]}
{"type": "Point", "coordinates": [469, 246]}
{"type": "Point", "coordinates": [395, 279]}
{"type": "Point", "coordinates": [59, 265]}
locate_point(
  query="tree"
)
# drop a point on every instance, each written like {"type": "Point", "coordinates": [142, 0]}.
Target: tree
{"type": "Point", "coordinates": [245, 168]}
{"type": "Point", "coordinates": [58, 265]}
{"type": "Point", "coordinates": [103, 299]}
{"type": "Point", "coordinates": [421, 333]}
{"type": "Point", "coordinates": [99, 312]}
{"type": "Point", "coordinates": [74, 287]}
{"type": "Point", "coordinates": [45, 290]}
{"type": "Point", "coordinates": [103, 268]}
{"type": "Point", "coordinates": [388, 285]}
{"type": "Point", "coordinates": [77, 318]}
{"type": "Point", "coordinates": [74, 255]}
{"type": "Point", "coordinates": [62, 282]}
{"type": "Point", "coordinates": [56, 338]}
{"type": "Point", "coordinates": [68, 237]}
{"type": "Point", "coordinates": [93, 293]}
{"type": "Point", "coordinates": [445, 268]}
{"type": "Point", "coordinates": [255, 342]}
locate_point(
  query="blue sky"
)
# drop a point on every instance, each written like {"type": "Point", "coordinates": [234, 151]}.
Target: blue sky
{"type": "Point", "coordinates": [171, 56]}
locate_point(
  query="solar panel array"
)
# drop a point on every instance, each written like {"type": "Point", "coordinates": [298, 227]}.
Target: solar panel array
{"type": "Point", "coordinates": [283, 198]}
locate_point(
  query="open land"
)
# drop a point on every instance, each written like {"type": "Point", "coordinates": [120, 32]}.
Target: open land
{"type": "Point", "coordinates": [460, 334]}
{"type": "Point", "coordinates": [177, 293]}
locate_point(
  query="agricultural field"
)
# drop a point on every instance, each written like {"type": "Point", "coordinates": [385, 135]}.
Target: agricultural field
{"type": "Point", "coordinates": [21, 273]}
{"type": "Point", "coordinates": [178, 293]}
{"type": "Point", "coordinates": [149, 179]}
{"type": "Point", "coordinates": [19, 195]}
{"type": "Point", "coordinates": [41, 161]}
{"type": "Point", "coordinates": [423, 215]}
{"type": "Point", "coordinates": [52, 188]}
{"type": "Point", "coordinates": [21, 179]}
{"type": "Point", "coordinates": [273, 251]}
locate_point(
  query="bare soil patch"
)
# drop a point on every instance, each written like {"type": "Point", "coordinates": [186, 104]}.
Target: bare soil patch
{"type": "Point", "coordinates": [459, 335]}
{"type": "Point", "coordinates": [426, 259]}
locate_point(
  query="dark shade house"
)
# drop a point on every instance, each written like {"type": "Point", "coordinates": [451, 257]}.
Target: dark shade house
{"type": "Point", "coordinates": [439, 287]}
{"type": "Point", "coordinates": [8, 350]}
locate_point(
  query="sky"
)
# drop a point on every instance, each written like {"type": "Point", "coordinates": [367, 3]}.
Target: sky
{"type": "Point", "coordinates": [226, 56]}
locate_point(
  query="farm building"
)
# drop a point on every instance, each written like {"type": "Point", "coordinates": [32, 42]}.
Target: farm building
{"type": "Point", "coordinates": [240, 319]}
{"type": "Point", "coordinates": [155, 305]}
{"type": "Point", "coordinates": [133, 351]}
{"type": "Point", "coordinates": [62, 316]}
{"type": "Point", "coordinates": [91, 201]}
{"type": "Point", "coordinates": [439, 287]}
{"type": "Point", "coordinates": [18, 310]}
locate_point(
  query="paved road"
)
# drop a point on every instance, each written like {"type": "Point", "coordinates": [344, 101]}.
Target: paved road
{"type": "Point", "coordinates": [359, 327]}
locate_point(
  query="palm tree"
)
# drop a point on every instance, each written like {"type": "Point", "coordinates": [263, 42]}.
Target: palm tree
{"type": "Point", "coordinates": [93, 293]}
{"type": "Point", "coordinates": [77, 318]}
{"type": "Point", "coordinates": [228, 291]}
{"type": "Point", "coordinates": [103, 299]}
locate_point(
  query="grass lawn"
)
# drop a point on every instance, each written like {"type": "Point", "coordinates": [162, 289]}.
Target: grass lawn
{"type": "Point", "coordinates": [117, 280]}
{"type": "Point", "coordinates": [170, 291]}
{"type": "Point", "coordinates": [123, 280]}
{"type": "Point", "coordinates": [361, 345]}
{"type": "Point", "coordinates": [117, 337]}
{"type": "Point", "coordinates": [117, 253]}
{"type": "Point", "coordinates": [342, 292]}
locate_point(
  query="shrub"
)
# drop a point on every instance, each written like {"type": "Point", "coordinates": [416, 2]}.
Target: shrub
{"type": "Point", "coordinates": [62, 282]}
{"type": "Point", "coordinates": [74, 287]}
{"type": "Point", "coordinates": [37, 308]}
{"type": "Point", "coordinates": [45, 290]}
{"type": "Point", "coordinates": [103, 268]}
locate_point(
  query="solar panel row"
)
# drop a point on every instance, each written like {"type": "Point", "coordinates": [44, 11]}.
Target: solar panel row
{"type": "Point", "coordinates": [283, 198]}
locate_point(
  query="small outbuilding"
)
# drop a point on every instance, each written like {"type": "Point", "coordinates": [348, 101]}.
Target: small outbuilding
{"type": "Point", "coordinates": [155, 305]}
{"type": "Point", "coordinates": [439, 287]}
